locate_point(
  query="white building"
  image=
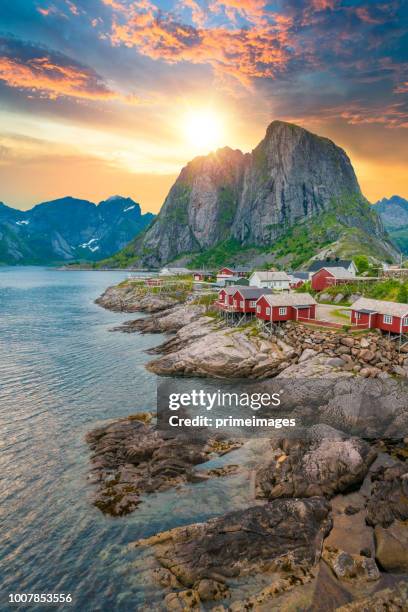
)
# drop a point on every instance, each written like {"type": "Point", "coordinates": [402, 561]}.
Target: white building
{"type": "Point", "coordinates": [266, 279]}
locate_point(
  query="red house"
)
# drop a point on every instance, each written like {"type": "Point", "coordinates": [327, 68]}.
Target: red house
{"type": "Point", "coordinates": [379, 314]}
{"type": "Point", "coordinates": [244, 299]}
{"type": "Point", "coordinates": [286, 307]}
{"type": "Point", "coordinates": [327, 277]}
{"type": "Point", "coordinates": [201, 275]}
{"type": "Point", "coordinates": [226, 299]}
{"type": "Point", "coordinates": [228, 272]}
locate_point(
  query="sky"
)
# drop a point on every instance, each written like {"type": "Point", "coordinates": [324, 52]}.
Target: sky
{"type": "Point", "coordinates": [104, 97]}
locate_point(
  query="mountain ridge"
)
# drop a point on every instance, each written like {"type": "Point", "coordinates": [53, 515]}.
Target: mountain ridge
{"type": "Point", "coordinates": [394, 215]}
{"type": "Point", "coordinates": [68, 229]}
{"type": "Point", "coordinates": [293, 185]}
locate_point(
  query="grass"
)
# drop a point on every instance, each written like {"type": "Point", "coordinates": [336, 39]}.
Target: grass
{"type": "Point", "coordinates": [338, 312]}
{"type": "Point", "coordinates": [390, 289]}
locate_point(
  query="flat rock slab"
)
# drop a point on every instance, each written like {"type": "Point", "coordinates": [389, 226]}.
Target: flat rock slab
{"type": "Point", "coordinates": [282, 539]}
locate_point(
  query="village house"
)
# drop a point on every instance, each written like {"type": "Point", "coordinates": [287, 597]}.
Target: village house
{"type": "Point", "coordinates": [297, 279]}
{"type": "Point", "coordinates": [379, 314]}
{"type": "Point", "coordinates": [202, 275]}
{"type": "Point", "coordinates": [225, 297]}
{"type": "Point", "coordinates": [226, 273]}
{"type": "Point", "coordinates": [279, 281]}
{"type": "Point", "coordinates": [328, 277]}
{"type": "Point", "coordinates": [286, 307]}
{"type": "Point", "coordinates": [244, 299]}
{"type": "Point", "coordinates": [333, 262]}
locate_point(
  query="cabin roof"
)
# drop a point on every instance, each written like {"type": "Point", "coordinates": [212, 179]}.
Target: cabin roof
{"type": "Point", "coordinates": [301, 275]}
{"type": "Point", "coordinates": [318, 264]}
{"type": "Point", "coordinates": [268, 275]}
{"type": "Point", "coordinates": [290, 299]}
{"type": "Point", "coordinates": [235, 270]}
{"type": "Point", "coordinates": [252, 293]}
{"type": "Point", "coordinates": [380, 307]}
{"type": "Point", "coordinates": [339, 273]}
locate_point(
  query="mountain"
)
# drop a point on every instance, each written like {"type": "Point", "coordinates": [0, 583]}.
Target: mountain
{"type": "Point", "coordinates": [69, 229]}
{"type": "Point", "coordinates": [394, 215]}
{"type": "Point", "coordinates": [294, 196]}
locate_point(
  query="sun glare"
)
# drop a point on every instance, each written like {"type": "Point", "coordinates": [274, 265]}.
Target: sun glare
{"type": "Point", "coordinates": [204, 130]}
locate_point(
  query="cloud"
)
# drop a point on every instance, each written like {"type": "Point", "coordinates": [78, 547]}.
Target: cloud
{"type": "Point", "coordinates": [49, 74]}
{"type": "Point", "coordinates": [243, 53]}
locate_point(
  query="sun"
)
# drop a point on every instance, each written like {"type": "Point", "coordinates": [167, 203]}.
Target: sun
{"type": "Point", "coordinates": [203, 130]}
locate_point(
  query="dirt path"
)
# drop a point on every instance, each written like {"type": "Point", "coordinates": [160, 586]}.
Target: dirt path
{"type": "Point", "coordinates": [327, 312]}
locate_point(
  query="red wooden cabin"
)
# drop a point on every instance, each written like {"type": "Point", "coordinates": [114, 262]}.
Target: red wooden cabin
{"type": "Point", "coordinates": [245, 298]}
{"type": "Point", "coordinates": [380, 314]}
{"type": "Point", "coordinates": [286, 307]}
{"type": "Point", "coordinates": [327, 277]}
{"type": "Point", "coordinates": [226, 299]}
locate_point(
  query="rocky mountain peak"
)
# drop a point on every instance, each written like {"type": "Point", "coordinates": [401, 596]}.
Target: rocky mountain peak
{"type": "Point", "coordinates": [292, 178]}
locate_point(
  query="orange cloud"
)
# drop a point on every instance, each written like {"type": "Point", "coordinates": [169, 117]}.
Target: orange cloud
{"type": "Point", "coordinates": [241, 53]}
{"type": "Point", "coordinates": [42, 74]}
{"type": "Point", "coordinates": [321, 5]}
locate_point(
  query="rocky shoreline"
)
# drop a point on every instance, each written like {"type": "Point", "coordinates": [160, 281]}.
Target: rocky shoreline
{"type": "Point", "coordinates": [327, 529]}
{"type": "Point", "coordinates": [202, 345]}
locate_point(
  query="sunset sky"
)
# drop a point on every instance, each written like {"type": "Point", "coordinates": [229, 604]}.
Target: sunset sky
{"type": "Point", "coordinates": [103, 97]}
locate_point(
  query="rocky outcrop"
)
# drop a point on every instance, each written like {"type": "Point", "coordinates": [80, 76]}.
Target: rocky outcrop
{"type": "Point", "coordinates": [131, 458]}
{"type": "Point", "coordinates": [130, 297]}
{"type": "Point", "coordinates": [281, 540]}
{"type": "Point", "coordinates": [389, 495]}
{"type": "Point", "coordinates": [387, 600]}
{"type": "Point", "coordinates": [323, 465]}
{"type": "Point", "coordinates": [200, 351]}
{"type": "Point", "coordinates": [170, 320]}
{"type": "Point", "coordinates": [206, 347]}
{"type": "Point", "coordinates": [291, 177]}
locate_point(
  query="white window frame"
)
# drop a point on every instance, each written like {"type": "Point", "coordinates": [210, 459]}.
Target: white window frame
{"type": "Point", "coordinates": [242, 304]}
{"type": "Point", "coordinates": [358, 316]}
{"type": "Point", "coordinates": [405, 321]}
{"type": "Point", "coordinates": [387, 319]}
{"type": "Point", "coordinates": [258, 309]}
{"type": "Point", "coordinates": [252, 303]}
{"type": "Point", "coordinates": [283, 311]}
{"type": "Point", "coordinates": [268, 311]}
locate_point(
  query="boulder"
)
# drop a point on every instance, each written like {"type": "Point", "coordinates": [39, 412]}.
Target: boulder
{"type": "Point", "coordinates": [391, 547]}
{"type": "Point", "coordinates": [389, 495]}
{"type": "Point", "coordinates": [350, 567]}
{"type": "Point", "coordinates": [304, 468]}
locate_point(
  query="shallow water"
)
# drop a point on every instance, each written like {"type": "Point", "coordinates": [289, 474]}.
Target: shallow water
{"type": "Point", "coordinates": [61, 374]}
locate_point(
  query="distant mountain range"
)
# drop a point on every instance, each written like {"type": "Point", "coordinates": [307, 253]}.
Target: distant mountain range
{"type": "Point", "coordinates": [293, 197]}
{"type": "Point", "coordinates": [69, 229]}
{"type": "Point", "coordinates": [394, 214]}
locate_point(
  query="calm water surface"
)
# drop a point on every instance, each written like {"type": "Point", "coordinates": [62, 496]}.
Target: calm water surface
{"type": "Point", "coordinates": [61, 374]}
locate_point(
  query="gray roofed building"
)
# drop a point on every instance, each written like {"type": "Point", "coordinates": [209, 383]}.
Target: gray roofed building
{"type": "Point", "coordinates": [381, 307]}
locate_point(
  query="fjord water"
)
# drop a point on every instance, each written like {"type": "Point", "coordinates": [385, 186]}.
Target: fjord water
{"type": "Point", "coordinates": [63, 373]}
